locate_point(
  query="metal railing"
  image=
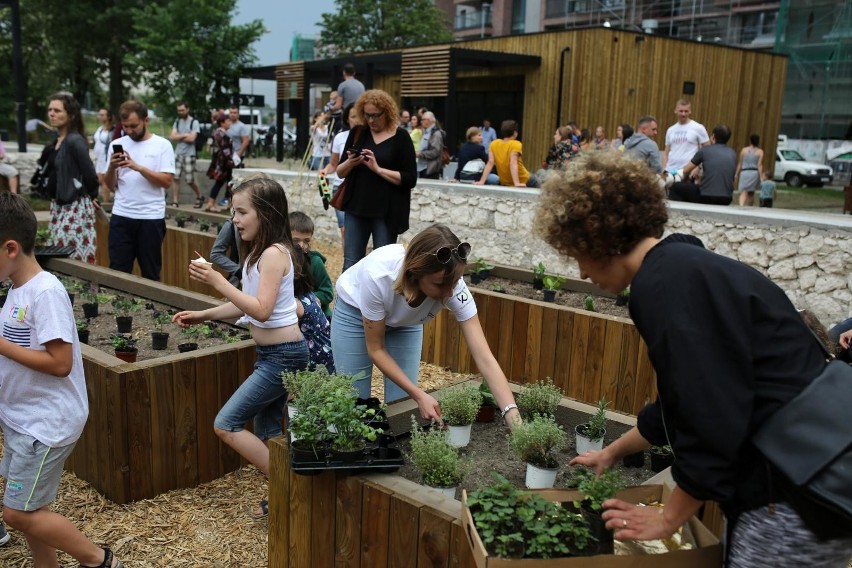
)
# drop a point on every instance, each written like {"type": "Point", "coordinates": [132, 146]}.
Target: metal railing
{"type": "Point", "coordinates": [471, 20]}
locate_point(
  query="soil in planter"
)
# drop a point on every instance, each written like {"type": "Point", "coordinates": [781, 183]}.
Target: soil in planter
{"type": "Point", "coordinates": [489, 451]}
{"type": "Point", "coordinates": [103, 327]}
{"type": "Point", "coordinates": [563, 297]}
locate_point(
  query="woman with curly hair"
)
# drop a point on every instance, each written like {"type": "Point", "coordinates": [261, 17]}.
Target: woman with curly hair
{"type": "Point", "coordinates": [728, 347]}
{"type": "Point", "coordinates": [380, 169]}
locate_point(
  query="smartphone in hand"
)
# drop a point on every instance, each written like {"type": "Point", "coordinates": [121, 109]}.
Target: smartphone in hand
{"type": "Point", "coordinates": [117, 149]}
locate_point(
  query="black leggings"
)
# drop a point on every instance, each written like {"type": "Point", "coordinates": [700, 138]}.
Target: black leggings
{"type": "Point", "coordinates": [214, 191]}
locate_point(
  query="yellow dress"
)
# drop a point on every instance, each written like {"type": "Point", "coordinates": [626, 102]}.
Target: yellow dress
{"type": "Point", "coordinates": [416, 138]}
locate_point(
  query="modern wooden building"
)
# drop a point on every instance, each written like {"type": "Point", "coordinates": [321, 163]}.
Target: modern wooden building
{"type": "Point", "coordinates": [595, 76]}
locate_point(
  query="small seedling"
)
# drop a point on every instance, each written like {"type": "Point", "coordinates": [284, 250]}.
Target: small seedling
{"type": "Point", "coordinates": [589, 303]}
{"type": "Point", "coordinates": [123, 343]}
{"type": "Point", "coordinates": [82, 325]}
{"type": "Point", "coordinates": [538, 270]}
{"type": "Point", "coordinates": [553, 282]}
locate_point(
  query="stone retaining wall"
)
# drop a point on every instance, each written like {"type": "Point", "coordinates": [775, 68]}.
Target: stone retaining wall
{"type": "Point", "coordinates": [808, 254]}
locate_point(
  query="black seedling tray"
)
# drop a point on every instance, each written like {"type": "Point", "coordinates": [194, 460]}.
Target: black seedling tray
{"type": "Point", "coordinates": [373, 459]}
{"type": "Point", "coordinates": [53, 252]}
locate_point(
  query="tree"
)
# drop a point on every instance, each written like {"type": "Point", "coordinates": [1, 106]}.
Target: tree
{"type": "Point", "coordinates": [366, 25]}
{"type": "Point", "coordinates": [191, 52]}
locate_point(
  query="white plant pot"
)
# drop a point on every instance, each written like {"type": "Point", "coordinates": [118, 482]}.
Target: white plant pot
{"type": "Point", "coordinates": [459, 436]}
{"type": "Point", "coordinates": [539, 477]}
{"type": "Point", "coordinates": [448, 491]}
{"type": "Point", "coordinates": [584, 444]}
{"type": "Point", "coordinates": [291, 413]}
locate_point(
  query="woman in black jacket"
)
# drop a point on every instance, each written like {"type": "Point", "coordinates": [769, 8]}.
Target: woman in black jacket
{"type": "Point", "coordinates": [71, 181]}
{"type": "Point", "coordinates": [380, 169]}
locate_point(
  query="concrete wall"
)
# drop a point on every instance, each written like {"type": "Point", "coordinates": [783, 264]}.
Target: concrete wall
{"type": "Point", "coordinates": [808, 254]}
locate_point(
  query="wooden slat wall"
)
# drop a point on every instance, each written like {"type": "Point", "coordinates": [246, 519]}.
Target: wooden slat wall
{"type": "Point", "coordinates": [290, 80]}
{"type": "Point", "coordinates": [587, 355]}
{"type": "Point", "coordinates": [150, 426]}
{"type": "Point", "coordinates": [369, 521]}
{"type": "Point", "coordinates": [426, 72]}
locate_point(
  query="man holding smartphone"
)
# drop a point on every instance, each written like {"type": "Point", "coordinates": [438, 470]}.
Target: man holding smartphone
{"type": "Point", "coordinates": [141, 167]}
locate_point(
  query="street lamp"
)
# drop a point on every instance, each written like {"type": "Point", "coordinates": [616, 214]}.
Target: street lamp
{"type": "Point", "coordinates": [482, 8]}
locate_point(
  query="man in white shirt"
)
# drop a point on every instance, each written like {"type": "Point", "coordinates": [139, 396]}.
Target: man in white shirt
{"type": "Point", "coordinates": [141, 168]}
{"type": "Point", "coordinates": [683, 139]}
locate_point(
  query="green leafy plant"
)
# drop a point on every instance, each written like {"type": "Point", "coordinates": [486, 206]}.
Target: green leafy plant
{"type": "Point", "coordinates": [487, 396]}
{"type": "Point", "coordinates": [665, 450]}
{"type": "Point", "coordinates": [42, 236]}
{"type": "Point", "coordinates": [625, 293]}
{"type": "Point", "coordinates": [124, 306]}
{"type": "Point", "coordinates": [82, 325]}
{"type": "Point", "coordinates": [480, 265]}
{"type": "Point", "coordinates": [517, 524]}
{"type": "Point", "coordinates": [123, 343]}
{"type": "Point", "coordinates": [94, 296]}
{"type": "Point", "coordinates": [595, 428]}
{"type": "Point", "coordinates": [596, 489]}
{"type": "Point", "coordinates": [460, 405]}
{"type": "Point", "coordinates": [553, 282]}
{"type": "Point", "coordinates": [439, 463]}
{"type": "Point", "coordinates": [538, 270]}
{"type": "Point", "coordinates": [536, 441]}
{"type": "Point", "coordinates": [538, 398]}
{"type": "Point", "coordinates": [499, 288]}
{"type": "Point", "coordinates": [589, 304]}
{"type": "Point", "coordinates": [161, 319]}
{"type": "Point", "coordinates": [203, 225]}
{"type": "Point", "coordinates": [72, 286]}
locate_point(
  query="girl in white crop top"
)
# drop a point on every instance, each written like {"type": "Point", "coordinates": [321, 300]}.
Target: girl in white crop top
{"type": "Point", "coordinates": [268, 305]}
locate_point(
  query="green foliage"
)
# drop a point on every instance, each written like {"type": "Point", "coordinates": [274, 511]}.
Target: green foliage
{"type": "Point", "coordinates": [518, 524]}
{"type": "Point", "coordinates": [553, 282]}
{"type": "Point", "coordinates": [538, 270]}
{"type": "Point", "coordinates": [438, 461]}
{"type": "Point", "coordinates": [662, 450]}
{"type": "Point", "coordinates": [538, 398]}
{"type": "Point", "coordinates": [72, 286]}
{"type": "Point", "coordinates": [123, 343]}
{"type": "Point", "coordinates": [82, 325]}
{"type": "Point", "coordinates": [94, 296]}
{"type": "Point", "coordinates": [589, 304]}
{"type": "Point", "coordinates": [42, 237]}
{"type": "Point", "coordinates": [366, 25]}
{"type": "Point", "coordinates": [595, 489]}
{"type": "Point", "coordinates": [203, 225]}
{"type": "Point", "coordinates": [487, 396]}
{"type": "Point", "coordinates": [595, 428]}
{"type": "Point", "coordinates": [460, 405]}
{"type": "Point", "coordinates": [625, 293]}
{"type": "Point", "coordinates": [124, 306]}
{"type": "Point", "coordinates": [479, 264]}
{"type": "Point", "coordinates": [161, 319]}
{"type": "Point", "coordinates": [499, 288]}
{"type": "Point", "coordinates": [535, 441]}
{"type": "Point", "coordinates": [181, 216]}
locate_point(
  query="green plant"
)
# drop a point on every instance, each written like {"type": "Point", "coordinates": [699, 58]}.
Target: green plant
{"type": "Point", "coordinates": [124, 306]}
{"type": "Point", "coordinates": [4, 287]}
{"type": "Point", "coordinates": [438, 461]}
{"type": "Point", "coordinates": [517, 524]}
{"type": "Point", "coordinates": [479, 264]}
{"type": "Point", "coordinates": [203, 225]}
{"type": "Point", "coordinates": [553, 282]}
{"type": "Point", "coordinates": [596, 489]}
{"type": "Point", "coordinates": [94, 296]}
{"type": "Point", "coordinates": [82, 325]}
{"type": "Point", "coordinates": [123, 343]}
{"type": "Point", "coordinates": [625, 293]}
{"type": "Point", "coordinates": [538, 398]}
{"type": "Point", "coordinates": [535, 441]}
{"type": "Point", "coordinates": [72, 286]}
{"type": "Point", "coordinates": [499, 288]}
{"type": "Point", "coordinates": [487, 397]}
{"type": "Point", "coordinates": [460, 405]}
{"type": "Point", "coordinates": [538, 271]}
{"type": "Point", "coordinates": [161, 319]}
{"type": "Point", "coordinates": [42, 236]}
{"type": "Point", "coordinates": [595, 428]}
{"type": "Point", "coordinates": [665, 450]}
{"type": "Point", "coordinates": [589, 304]}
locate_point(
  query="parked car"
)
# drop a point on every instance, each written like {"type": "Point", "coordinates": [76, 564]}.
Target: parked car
{"type": "Point", "coordinates": [791, 168]}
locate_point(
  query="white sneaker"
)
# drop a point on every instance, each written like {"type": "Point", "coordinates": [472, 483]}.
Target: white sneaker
{"type": "Point", "coordinates": [4, 536]}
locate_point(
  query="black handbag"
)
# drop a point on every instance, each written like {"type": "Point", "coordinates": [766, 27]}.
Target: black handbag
{"type": "Point", "coordinates": [809, 442]}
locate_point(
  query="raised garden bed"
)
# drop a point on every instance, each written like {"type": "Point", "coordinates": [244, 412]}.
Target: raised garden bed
{"type": "Point", "coordinates": [150, 426]}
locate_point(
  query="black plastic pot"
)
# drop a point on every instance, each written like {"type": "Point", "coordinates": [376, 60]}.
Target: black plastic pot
{"type": "Point", "coordinates": [659, 462]}
{"type": "Point", "coordinates": [159, 340]}
{"type": "Point", "coordinates": [2, 299]}
{"type": "Point", "coordinates": [90, 311]}
{"type": "Point", "coordinates": [124, 323]}
{"type": "Point", "coordinates": [71, 298]}
{"type": "Point", "coordinates": [597, 526]}
{"type": "Point", "coordinates": [550, 295]}
{"type": "Point", "coordinates": [475, 278]}
{"type": "Point", "coordinates": [621, 300]}
{"type": "Point", "coordinates": [127, 356]}
{"type": "Point", "coordinates": [83, 335]}
{"type": "Point", "coordinates": [485, 273]}
{"type": "Point", "coordinates": [348, 456]}
{"type": "Point", "coordinates": [634, 460]}
{"type": "Point", "coordinates": [181, 223]}
{"type": "Point", "coordinates": [538, 284]}
{"type": "Point", "coordinates": [184, 347]}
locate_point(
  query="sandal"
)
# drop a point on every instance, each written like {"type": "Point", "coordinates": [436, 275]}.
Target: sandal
{"type": "Point", "coordinates": [199, 203]}
{"type": "Point", "coordinates": [107, 563]}
{"type": "Point", "coordinates": [175, 204]}
{"type": "Point", "coordinates": [264, 511]}
{"type": "Point", "coordinates": [213, 209]}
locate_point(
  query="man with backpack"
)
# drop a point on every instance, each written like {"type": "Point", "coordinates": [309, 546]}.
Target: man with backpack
{"type": "Point", "coordinates": [187, 134]}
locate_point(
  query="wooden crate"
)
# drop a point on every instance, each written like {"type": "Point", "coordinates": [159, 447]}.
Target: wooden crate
{"type": "Point", "coordinates": [150, 426]}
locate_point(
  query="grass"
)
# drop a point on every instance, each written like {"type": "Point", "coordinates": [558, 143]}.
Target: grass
{"type": "Point", "coordinates": [809, 199]}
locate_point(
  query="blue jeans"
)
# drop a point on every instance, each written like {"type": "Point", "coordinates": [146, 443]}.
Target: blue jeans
{"type": "Point", "coordinates": [262, 395]}
{"type": "Point", "coordinates": [318, 162]}
{"type": "Point", "coordinates": [358, 230]}
{"type": "Point", "coordinates": [350, 349]}
{"type": "Point", "coordinates": [341, 216]}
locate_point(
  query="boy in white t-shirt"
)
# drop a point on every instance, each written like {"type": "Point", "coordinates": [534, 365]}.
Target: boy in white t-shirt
{"type": "Point", "coordinates": [43, 401]}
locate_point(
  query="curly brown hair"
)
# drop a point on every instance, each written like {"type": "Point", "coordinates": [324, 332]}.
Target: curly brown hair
{"type": "Point", "coordinates": [382, 101]}
{"type": "Point", "coordinates": [600, 206]}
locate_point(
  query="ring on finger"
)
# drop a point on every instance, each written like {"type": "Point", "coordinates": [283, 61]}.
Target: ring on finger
{"type": "Point", "coordinates": [624, 523]}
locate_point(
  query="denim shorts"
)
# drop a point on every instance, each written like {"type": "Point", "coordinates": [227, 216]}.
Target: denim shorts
{"type": "Point", "coordinates": [32, 470]}
{"type": "Point", "coordinates": [262, 395]}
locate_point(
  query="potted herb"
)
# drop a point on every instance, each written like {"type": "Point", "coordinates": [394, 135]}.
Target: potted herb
{"type": "Point", "coordinates": [516, 524]}
{"type": "Point", "coordinates": [538, 398]}
{"type": "Point", "coordinates": [190, 335]}
{"type": "Point", "coordinates": [438, 461]}
{"type": "Point", "coordinates": [352, 424]}
{"type": "Point", "coordinates": [589, 304]}
{"type": "Point", "coordinates": [160, 338]}
{"type": "Point", "coordinates": [661, 458]}
{"type": "Point", "coordinates": [123, 307]}
{"type": "Point", "coordinates": [458, 409]}
{"type": "Point", "coordinates": [538, 275]}
{"type": "Point", "coordinates": [308, 432]}
{"type": "Point", "coordinates": [42, 238]}
{"type": "Point", "coordinates": [125, 348]}
{"type": "Point", "coordinates": [481, 270]}
{"type": "Point", "coordinates": [92, 298]}
{"type": "Point", "coordinates": [203, 225]}
{"type": "Point", "coordinates": [488, 408]}
{"type": "Point", "coordinates": [595, 491]}
{"type": "Point", "coordinates": [72, 287]}
{"type": "Point", "coordinates": [590, 435]}
{"type": "Point", "coordinates": [623, 297]}
{"type": "Point", "coordinates": [180, 219]}
{"type": "Point", "coordinates": [499, 288]}
{"type": "Point", "coordinates": [83, 330]}
{"type": "Point", "coordinates": [551, 286]}
{"type": "Point", "coordinates": [535, 442]}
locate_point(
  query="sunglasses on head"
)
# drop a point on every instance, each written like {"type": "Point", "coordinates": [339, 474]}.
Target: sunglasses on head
{"type": "Point", "coordinates": [445, 254]}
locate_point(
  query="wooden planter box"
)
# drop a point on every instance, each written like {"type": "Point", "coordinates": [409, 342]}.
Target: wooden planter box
{"type": "Point", "coordinates": [150, 426]}
{"type": "Point", "coordinates": [588, 355]}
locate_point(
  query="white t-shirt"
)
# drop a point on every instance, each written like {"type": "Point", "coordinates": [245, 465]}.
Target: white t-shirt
{"type": "Point", "coordinates": [135, 196]}
{"type": "Point", "coordinates": [683, 141]}
{"type": "Point", "coordinates": [102, 138]}
{"type": "Point", "coordinates": [53, 410]}
{"type": "Point", "coordinates": [320, 139]}
{"type": "Point", "coordinates": [368, 286]}
{"type": "Point", "coordinates": [337, 148]}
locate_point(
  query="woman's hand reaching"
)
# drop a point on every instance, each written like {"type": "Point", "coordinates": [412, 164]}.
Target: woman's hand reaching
{"type": "Point", "coordinates": [429, 407]}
